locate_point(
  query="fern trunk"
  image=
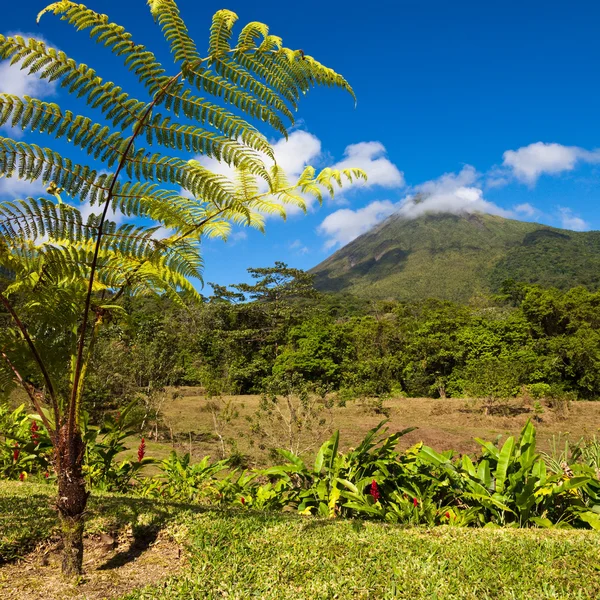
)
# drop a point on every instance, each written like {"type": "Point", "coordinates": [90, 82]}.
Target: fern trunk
{"type": "Point", "coordinates": [72, 500]}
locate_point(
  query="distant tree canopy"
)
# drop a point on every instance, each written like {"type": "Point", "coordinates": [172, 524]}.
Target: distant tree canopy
{"type": "Point", "coordinates": [241, 338]}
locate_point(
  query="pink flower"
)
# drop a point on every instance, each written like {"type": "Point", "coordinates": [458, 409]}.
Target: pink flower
{"type": "Point", "coordinates": [141, 450]}
{"type": "Point", "coordinates": [374, 491]}
{"type": "Point", "coordinates": [415, 502]}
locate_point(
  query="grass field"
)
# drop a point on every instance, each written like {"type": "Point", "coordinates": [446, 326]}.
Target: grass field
{"type": "Point", "coordinates": [243, 555]}
{"type": "Point", "coordinates": [442, 424]}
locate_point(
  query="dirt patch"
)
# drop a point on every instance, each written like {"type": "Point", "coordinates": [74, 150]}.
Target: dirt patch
{"type": "Point", "coordinates": [113, 567]}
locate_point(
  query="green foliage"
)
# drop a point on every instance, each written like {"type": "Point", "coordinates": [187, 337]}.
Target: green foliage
{"type": "Point", "coordinates": [62, 274]}
{"type": "Point", "coordinates": [103, 444]}
{"type": "Point", "coordinates": [230, 344]}
{"type": "Point", "coordinates": [248, 554]}
{"type": "Point", "coordinates": [183, 481]}
{"type": "Point", "coordinates": [25, 447]}
{"type": "Point", "coordinates": [508, 485]}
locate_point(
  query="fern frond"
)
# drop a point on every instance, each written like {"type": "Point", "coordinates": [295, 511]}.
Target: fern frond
{"type": "Point", "coordinates": [138, 58]}
{"type": "Point", "coordinates": [167, 14]}
{"type": "Point", "coordinates": [45, 117]}
{"type": "Point", "coordinates": [215, 85]}
{"type": "Point", "coordinates": [117, 106]}
{"type": "Point", "coordinates": [234, 73]}
{"type": "Point", "coordinates": [220, 32]}
{"type": "Point", "coordinates": [183, 102]}
{"type": "Point", "coordinates": [31, 162]}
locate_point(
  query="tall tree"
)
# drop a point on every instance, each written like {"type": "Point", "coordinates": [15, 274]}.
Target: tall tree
{"type": "Point", "coordinates": [63, 275]}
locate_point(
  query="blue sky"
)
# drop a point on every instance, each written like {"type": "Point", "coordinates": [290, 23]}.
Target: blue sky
{"type": "Point", "coordinates": [487, 106]}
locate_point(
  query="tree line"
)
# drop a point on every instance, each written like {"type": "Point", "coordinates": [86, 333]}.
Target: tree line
{"type": "Point", "coordinates": [250, 338]}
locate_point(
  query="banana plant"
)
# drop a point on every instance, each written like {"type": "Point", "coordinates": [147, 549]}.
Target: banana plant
{"type": "Point", "coordinates": [512, 486]}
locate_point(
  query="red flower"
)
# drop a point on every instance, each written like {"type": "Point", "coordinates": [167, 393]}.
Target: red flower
{"type": "Point", "coordinates": [447, 515]}
{"type": "Point", "coordinates": [415, 502]}
{"type": "Point", "coordinates": [46, 474]}
{"type": "Point", "coordinates": [16, 453]}
{"type": "Point", "coordinates": [243, 500]}
{"type": "Point", "coordinates": [374, 491]}
{"type": "Point", "coordinates": [21, 476]}
{"type": "Point", "coordinates": [35, 436]}
{"type": "Point", "coordinates": [141, 450]}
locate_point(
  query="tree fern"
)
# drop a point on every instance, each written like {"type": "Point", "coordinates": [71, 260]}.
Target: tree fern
{"type": "Point", "coordinates": [62, 275]}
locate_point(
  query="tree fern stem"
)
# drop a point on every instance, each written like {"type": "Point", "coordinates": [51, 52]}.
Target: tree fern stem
{"type": "Point", "coordinates": [73, 417]}
{"type": "Point", "coordinates": [38, 360]}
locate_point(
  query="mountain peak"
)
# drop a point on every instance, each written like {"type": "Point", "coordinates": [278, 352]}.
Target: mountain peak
{"type": "Point", "coordinates": [454, 257]}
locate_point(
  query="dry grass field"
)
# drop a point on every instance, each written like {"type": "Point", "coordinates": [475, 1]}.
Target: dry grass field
{"type": "Point", "coordinates": [443, 424]}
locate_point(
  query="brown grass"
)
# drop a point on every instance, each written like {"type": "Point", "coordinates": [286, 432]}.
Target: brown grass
{"type": "Point", "coordinates": [443, 424]}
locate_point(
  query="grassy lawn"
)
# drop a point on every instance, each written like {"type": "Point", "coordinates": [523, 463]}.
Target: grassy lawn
{"type": "Point", "coordinates": [239, 554]}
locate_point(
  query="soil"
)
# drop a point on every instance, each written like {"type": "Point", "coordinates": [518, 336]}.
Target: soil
{"type": "Point", "coordinates": [112, 568]}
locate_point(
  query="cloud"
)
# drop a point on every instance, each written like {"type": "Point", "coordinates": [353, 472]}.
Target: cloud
{"type": "Point", "coordinates": [299, 247]}
{"type": "Point", "coordinates": [526, 209]}
{"type": "Point", "coordinates": [300, 149]}
{"type": "Point", "coordinates": [12, 188]}
{"type": "Point", "coordinates": [303, 148]}
{"type": "Point", "coordinates": [571, 221]}
{"type": "Point", "coordinates": [86, 210]}
{"type": "Point", "coordinates": [370, 157]}
{"type": "Point", "coordinates": [345, 224]}
{"type": "Point", "coordinates": [238, 236]}
{"type": "Point", "coordinates": [18, 82]}
{"type": "Point", "coordinates": [454, 193]}
{"type": "Point", "coordinates": [528, 163]}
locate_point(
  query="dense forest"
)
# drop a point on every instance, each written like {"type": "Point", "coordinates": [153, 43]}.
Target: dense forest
{"type": "Point", "coordinates": [251, 338]}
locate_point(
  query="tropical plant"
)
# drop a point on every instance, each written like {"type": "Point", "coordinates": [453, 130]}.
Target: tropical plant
{"type": "Point", "coordinates": [63, 275]}
{"type": "Point", "coordinates": [24, 444]}
{"type": "Point", "coordinates": [103, 443]}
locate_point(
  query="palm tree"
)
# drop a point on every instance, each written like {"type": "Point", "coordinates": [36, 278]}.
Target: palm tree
{"type": "Point", "coordinates": [61, 276]}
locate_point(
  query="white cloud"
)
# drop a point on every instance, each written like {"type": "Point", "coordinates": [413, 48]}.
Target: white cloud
{"type": "Point", "coordinates": [12, 188]}
{"type": "Point", "coordinates": [238, 236]}
{"type": "Point", "coordinates": [454, 193]}
{"type": "Point", "coordinates": [299, 247]}
{"type": "Point", "coordinates": [528, 163]}
{"type": "Point", "coordinates": [303, 148]}
{"type": "Point", "coordinates": [300, 149]}
{"type": "Point", "coordinates": [571, 221]}
{"type": "Point", "coordinates": [86, 210]}
{"type": "Point", "coordinates": [345, 224]}
{"type": "Point", "coordinates": [18, 82]}
{"type": "Point", "coordinates": [370, 157]}
{"type": "Point", "coordinates": [526, 209]}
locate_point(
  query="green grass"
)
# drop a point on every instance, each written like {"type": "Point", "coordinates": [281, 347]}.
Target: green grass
{"type": "Point", "coordinates": [27, 516]}
{"type": "Point", "coordinates": [239, 554]}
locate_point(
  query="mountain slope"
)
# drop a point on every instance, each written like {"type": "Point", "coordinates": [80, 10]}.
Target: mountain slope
{"type": "Point", "coordinates": [454, 257]}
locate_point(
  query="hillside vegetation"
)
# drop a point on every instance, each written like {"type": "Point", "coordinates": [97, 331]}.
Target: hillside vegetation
{"type": "Point", "coordinates": [277, 336]}
{"type": "Point", "coordinates": [456, 257]}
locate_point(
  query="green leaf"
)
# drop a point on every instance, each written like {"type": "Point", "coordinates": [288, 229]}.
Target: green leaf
{"type": "Point", "coordinates": [503, 463]}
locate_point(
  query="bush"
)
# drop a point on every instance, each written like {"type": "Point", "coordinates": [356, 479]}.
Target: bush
{"type": "Point", "coordinates": [538, 390]}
